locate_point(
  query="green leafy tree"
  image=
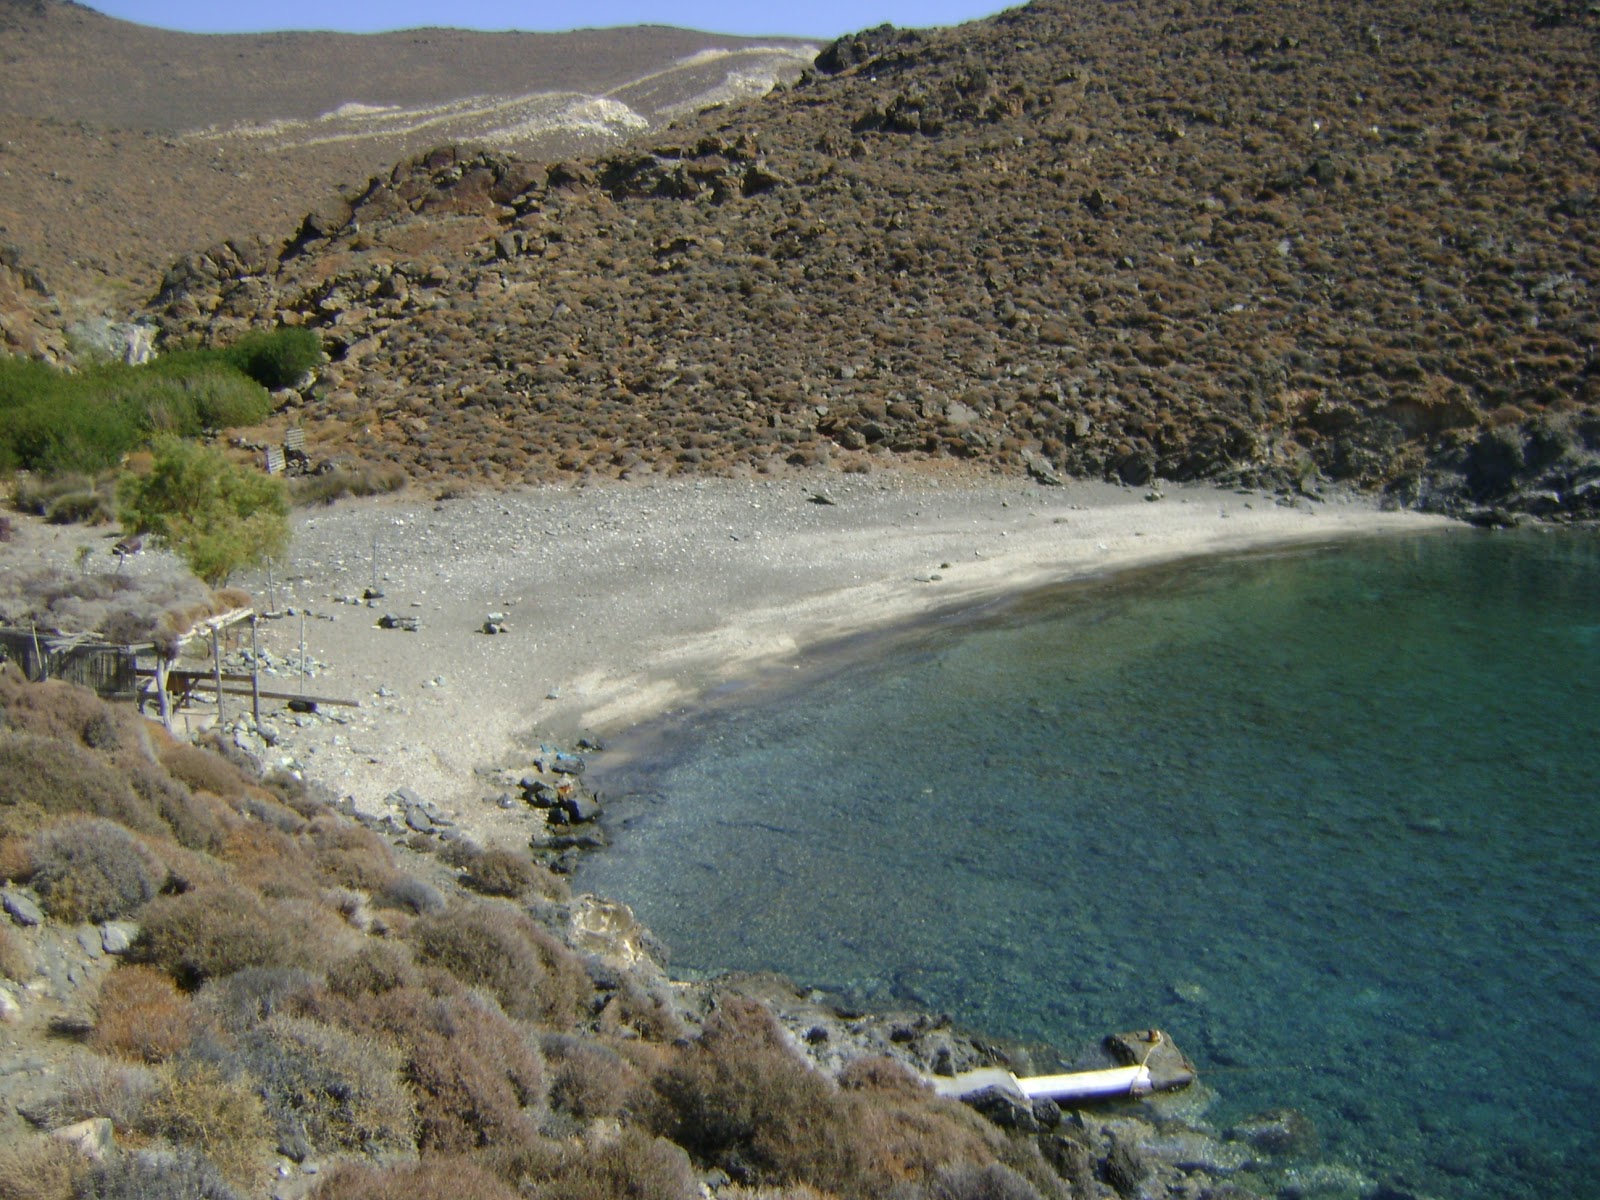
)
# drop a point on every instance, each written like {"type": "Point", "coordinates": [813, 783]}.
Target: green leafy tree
{"type": "Point", "coordinates": [218, 517]}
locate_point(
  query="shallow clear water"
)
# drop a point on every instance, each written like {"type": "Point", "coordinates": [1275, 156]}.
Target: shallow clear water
{"type": "Point", "coordinates": [1327, 816]}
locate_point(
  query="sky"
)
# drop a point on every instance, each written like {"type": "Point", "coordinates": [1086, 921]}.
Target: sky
{"type": "Point", "coordinates": [820, 19]}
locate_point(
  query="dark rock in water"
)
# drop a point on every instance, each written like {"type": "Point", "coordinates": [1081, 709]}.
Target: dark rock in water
{"type": "Point", "coordinates": [1280, 1132]}
{"type": "Point", "coordinates": [568, 764]}
{"type": "Point", "coordinates": [580, 808]}
{"type": "Point", "coordinates": [590, 839]}
{"type": "Point", "coordinates": [541, 794]}
{"type": "Point", "coordinates": [1169, 1067]}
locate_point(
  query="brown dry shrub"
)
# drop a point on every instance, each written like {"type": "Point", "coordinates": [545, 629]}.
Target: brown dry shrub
{"type": "Point", "coordinates": [742, 1099]}
{"type": "Point", "coordinates": [349, 856]}
{"type": "Point", "coordinates": [140, 1014]}
{"type": "Point", "coordinates": [197, 822]}
{"type": "Point", "coordinates": [196, 1107]}
{"type": "Point", "coordinates": [442, 1178]}
{"type": "Point", "coordinates": [16, 960]}
{"type": "Point", "coordinates": [588, 1078]}
{"type": "Point", "coordinates": [626, 1162]}
{"type": "Point", "coordinates": [40, 1168]}
{"type": "Point", "coordinates": [215, 931]}
{"type": "Point", "coordinates": [268, 861]}
{"type": "Point", "coordinates": [476, 1078]}
{"type": "Point", "coordinates": [90, 869]}
{"type": "Point", "coordinates": [64, 711]}
{"type": "Point", "coordinates": [15, 862]}
{"type": "Point", "coordinates": [508, 873]}
{"type": "Point", "coordinates": [796, 1191]}
{"type": "Point", "coordinates": [376, 968]}
{"type": "Point", "coordinates": [532, 975]}
{"type": "Point", "coordinates": [41, 776]}
{"type": "Point", "coordinates": [203, 771]}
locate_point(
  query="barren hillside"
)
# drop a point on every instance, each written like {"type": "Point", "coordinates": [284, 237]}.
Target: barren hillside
{"type": "Point", "coordinates": [123, 147]}
{"type": "Point", "coordinates": [1132, 240]}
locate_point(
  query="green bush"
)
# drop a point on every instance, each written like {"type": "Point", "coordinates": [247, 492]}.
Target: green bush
{"type": "Point", "coordinates": [218, 517]}
{"type": "Point", "coordinates": [278, 359]}
{"type": "Point", "coordinates": [52, 421]}
{"type": "Point", "coordinates": [92, 869]}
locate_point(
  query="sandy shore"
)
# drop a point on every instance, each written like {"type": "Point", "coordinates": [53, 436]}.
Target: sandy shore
{"type": "Point", "coordinates": [623, 601]}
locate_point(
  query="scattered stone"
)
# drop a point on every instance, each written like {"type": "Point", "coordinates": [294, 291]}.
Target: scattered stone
{"type": "Point", "coordinates": [10, 1008]}
{"type": "Point", "coordinates": [21, 907]}
{"type": "Point", "coordinates": [494, 623]}
{"type": "Point", "coordinates": [390, 621]}
{"type": "Point", "coordinates": [116, 937]}
{"type": "Point", "coordinates": [95, 1138]}
{"type": "Point", "coordinates": [580, 808]}
{"type": "Point", "coordinates": [1279, 1132]}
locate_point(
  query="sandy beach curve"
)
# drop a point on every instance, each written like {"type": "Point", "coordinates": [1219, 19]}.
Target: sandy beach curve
{"type": "Point", "coordinates": [623, 601]}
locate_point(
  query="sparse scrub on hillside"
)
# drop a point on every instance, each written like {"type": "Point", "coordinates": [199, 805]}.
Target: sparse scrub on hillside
{"type": "Point", "coordinates": [215, 931]}
{"type": "Point", "coordinates": [628, 1162]}
{"type": "Point", "coordinates": [93, 1086]}
{"type": "Point", "coordinates": [477, 1078]}
{"type": "Point", "coordinates": [40, 1168]}
{"type": "Point", "coordinates": [52, 708]}
{"type": "Point", "coordinates": [377, 967]}
{"type": "Point", "coordinates": [140, 1014]}
{"type": "Point", "coordinates": [328, 1089]}
{"type": "Point", "coordinates": [41, 777]}
{"type": "Point", "coordinates": [409, 894]}
{"type": "Point", "coordinates": [435, 1178]}
{"type": "Point", "coordinates": [203, 771]}
{"type": "Point", "coordinates": [196, 1106]}
{"type": "Point", "coordinates": [532, 975]}
{"type": "Point", "coordinates": [239, 1002]}
{"type": "Point", "coordinates": [510, 873]}
{"type": "Point", "coordinates": [347, 855]}
{"type": "Point", "coordinates": [588, 1078]}
{"type": "Point", "coordinates": [363, 479]}
{"type": "Point", "coordinates": [196, 822]}
{"type": "Point", "coordinates": [158, 1175]}
{"type": "Point", "coordinates": [91, 869]}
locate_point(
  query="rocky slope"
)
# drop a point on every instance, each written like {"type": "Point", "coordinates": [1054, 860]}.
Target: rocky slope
{"type": "Point", "coordinates": [1249, 242]}
{"type": "Point", "coordinates": [122, 147]}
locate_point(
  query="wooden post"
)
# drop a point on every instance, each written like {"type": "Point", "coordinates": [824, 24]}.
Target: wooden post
{"type": "Point", "coordinates": [255, 668]}
{"type": "Point", "coordinates": [302, 652]}
{"type": "Point", "coordinates": [163, 671]}
{"type": "Point", "coordinates": [216, 670]}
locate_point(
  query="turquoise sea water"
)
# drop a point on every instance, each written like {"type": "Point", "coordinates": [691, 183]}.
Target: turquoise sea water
{"type": "Point", "coordinates": [1329, 816]}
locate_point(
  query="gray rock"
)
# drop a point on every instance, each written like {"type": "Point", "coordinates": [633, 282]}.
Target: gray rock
{"type": "Point", "coordinates": [580, 808]}
{"type": "Point", "coordinates": [417, 818]}
{"type": "Point", "coordinates": [94, 1138]}
{"type": "Point", "coordinates": [21, 907]}
{"type": "Point", "coordinates": [116, 937]}
{"type": "Point", "coordinates": [91, 940]}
